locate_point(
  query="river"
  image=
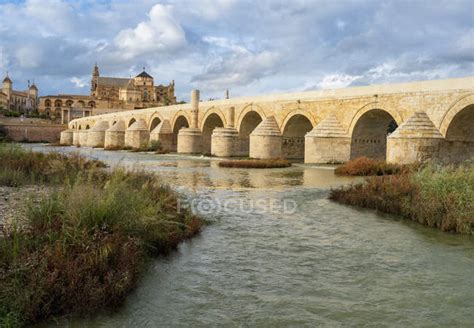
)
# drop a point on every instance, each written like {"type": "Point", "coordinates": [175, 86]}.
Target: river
{"type": "Point", "coordinates": [279, 254]}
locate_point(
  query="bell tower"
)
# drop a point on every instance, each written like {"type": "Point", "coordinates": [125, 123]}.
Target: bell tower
{"type": "Point", "coordinates": [7, 87]}
{"type": "Point", "coordinates": [95, 80]}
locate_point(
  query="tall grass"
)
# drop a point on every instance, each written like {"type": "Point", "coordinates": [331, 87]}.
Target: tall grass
{"type": "Point", "coordinates": [19, 167]}
{"type": "Point", "coordinates": [83, 246]}
{"type": "Point", "coordinates": [441, 197]}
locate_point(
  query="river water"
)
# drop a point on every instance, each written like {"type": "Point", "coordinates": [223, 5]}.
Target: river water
{"type": "Point", "coordinates": [292, 258]}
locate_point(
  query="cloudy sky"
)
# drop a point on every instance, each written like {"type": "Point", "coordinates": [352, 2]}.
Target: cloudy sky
{"type": "Point", "coordinates": [248, 47]}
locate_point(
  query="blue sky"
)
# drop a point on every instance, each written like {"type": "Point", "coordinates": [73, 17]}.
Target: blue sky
{"type": "Point", "coordinates": [248, 47]}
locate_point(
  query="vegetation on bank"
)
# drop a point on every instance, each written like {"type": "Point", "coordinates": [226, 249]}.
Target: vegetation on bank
{"type": "Point", "coordinates": [19, 167]}
{"type": "Point", "coordinates": [83, 246]}
{"type": "Point", "coordinates": [364, 166]}
{"type": "Point", "coordinates": [440, 197]}
{"type": "Point", "coordinates": [255, 163]}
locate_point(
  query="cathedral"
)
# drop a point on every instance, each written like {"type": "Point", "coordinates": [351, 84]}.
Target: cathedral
{"type": "Point", "coordinates": [107, 95]}
{"type": "Point", "coordinates": [139, 91]}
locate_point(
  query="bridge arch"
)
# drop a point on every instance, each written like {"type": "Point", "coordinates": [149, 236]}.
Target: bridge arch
{"type": "Point", "coordinates": [180, 120]}
{"type": "Point", "coordinates": [131, 121]}
{"type": "Point", "coordinates": [458, 130]}
{"type": "Point", "coordinates": [369, 133]}
{"type": "Point", "coordinates": [210, 122]}
{"type": "Point", "coordinates": [458, 106]}
{"type": "Point", "coordinates": [249, 118]}
{"type": "Point", "coordinates": [245, 110]}
{"type": "Point", "coordinates": [155, 119]}
{"type": "Point", "coordinates": [209, 112]}
{"type": "Point", "coordinates": [294, 128]}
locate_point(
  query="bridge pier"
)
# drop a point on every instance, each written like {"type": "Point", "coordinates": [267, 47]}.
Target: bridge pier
{"type": "Point", "coordinates": [83, 136]}
{"type": "Point", "coordinates": [327, 143]}
{"type": "Point", "coordinates": [137, 135]}
{"type": "Point", "coordinates": [115, 136]}
{"type": "Point", "coordinates": [75, 138]}
{"type": "Point", "coordinates": [190, 139]}
{"type": "Point", "coordinates": [66, 138]}
{"type": "Point", "coordinates": [164, 135]}
{"type": "Point", "coordinates": [96, 136]}
{"type": "Point", "coordinates": [416, 140]}
{"type": "Point", "coordinates": [266, 140]}
{"type": "Point", "coordinates": [225, 142]}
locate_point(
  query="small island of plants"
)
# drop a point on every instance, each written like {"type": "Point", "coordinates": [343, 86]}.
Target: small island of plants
{"type": "Point", "coordinates": [255, 163]}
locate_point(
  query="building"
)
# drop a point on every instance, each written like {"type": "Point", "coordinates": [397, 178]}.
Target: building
{"type": "Point", "coordinates": [22, 102]}
{"type": "Point", "coordinates": [107, 95]}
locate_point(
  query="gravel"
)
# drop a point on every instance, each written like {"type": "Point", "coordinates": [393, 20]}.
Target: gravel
{"type": "Point", "coordinates": [13, 201]}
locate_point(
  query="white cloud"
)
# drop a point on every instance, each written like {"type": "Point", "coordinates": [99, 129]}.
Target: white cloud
{"type": "Point", "coordinates": [160, 33]}
{"type": "Point", "coordinates": [51, 16]}
{"type": "Point", "coordinates": [335, 81]}
{"type": "Point", "coordinates": [225, 43]}
{"type": "Point", "coordinates": [79, 82]}
{"type": "Point", "coordinates": [238, 69]}
{"type": "Point", "coordinates": [207, 9]}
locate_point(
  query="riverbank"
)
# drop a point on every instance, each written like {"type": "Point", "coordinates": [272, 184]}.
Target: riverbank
{"type": "Point", "coordinates": [84, 235]}
{"type": "Point", "coordinates": [439, 197]}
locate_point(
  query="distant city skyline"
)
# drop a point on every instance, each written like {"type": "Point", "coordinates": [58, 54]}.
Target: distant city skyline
{"type": "Point", "coordinates": [247, 47]}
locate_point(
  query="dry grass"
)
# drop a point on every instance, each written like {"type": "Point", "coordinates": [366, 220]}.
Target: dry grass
{"type": "Point", "coordinates": [436, 197]}
{"type": "Point", "coordinates": [82, 247]}
{"type": "Point", "coordinates": [20, 167]}
{"type": "Point", "coordinates": [364, 166]}
{"type": "Point", "coordinates": [256, 163]}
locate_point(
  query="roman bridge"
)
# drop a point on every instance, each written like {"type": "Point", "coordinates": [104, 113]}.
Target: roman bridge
{"type": "Point", "coordinates": [401, 123]}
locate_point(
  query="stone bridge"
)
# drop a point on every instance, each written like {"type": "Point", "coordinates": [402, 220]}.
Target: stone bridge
{"type": "Point", "coordinates": [401, 123]}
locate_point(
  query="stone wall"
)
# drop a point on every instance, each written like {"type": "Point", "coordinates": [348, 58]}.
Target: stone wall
{"type": "Point", "coordinates": [33, 132]}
